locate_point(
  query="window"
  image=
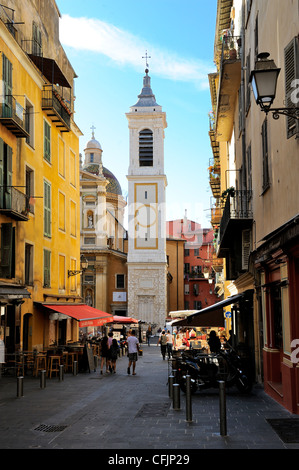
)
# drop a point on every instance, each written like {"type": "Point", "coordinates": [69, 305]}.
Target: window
{"type": "Point", "coordinates": [187, 267]}
{"type": "Point", "coordinates": [146, 148]}
{"type": "Point", "coordinates": [72, 168]}
{"type": "Point", "coordinates": [196, 251]}
{"type": "Point", "coordinates": [61, 272]}
{"type": "Point", "coordinates": [30, 188]}
{"type": "Point", "coordinates": [249, 168]}
{"type": "Point", "coordinates": [197, 304]}
{"type": "Point", "coordinates": [91, 157]}
{"type": "Point", "coordinates": [186, 287]}
{"type": "Point", "coordinates": [61, 156]}
{"type": "Point", "coordinates": [29, 123]}
{"type": "Point", "coordinates": [73, 217]}
{"type": "Point", "coordinates": [47, 142]}
{"type": "Point", "coordinates": [47, 268]}
{"type": "Point", "coordinates": [7, 86]}
{"type": "Point", "coordinates": [28, 264]}
{"type": "Point", "coordinates": [5, 175]}
{"type": "Point", "coordinates": [291, 60]}
{"type": "Point", "coordinates": [37, 47]}
{"type": "Point", "coordinates": [7, 262]}
{"type": "Point", "coordinates": [120, 281]}
{"type": "Point", "coordinates": [61, 211]}
{"type": "Point", "coordinates": [186, 252]}
{"type": "Point", "coordinates": [47, 209]}
{"type": "Point", "coordinates": [248, 84]}
{"type": "Point", "coordinates": [265, 154]}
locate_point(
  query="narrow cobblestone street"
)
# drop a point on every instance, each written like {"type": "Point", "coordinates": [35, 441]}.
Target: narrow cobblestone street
{"type": "Point", "coordinates": [125, 412]}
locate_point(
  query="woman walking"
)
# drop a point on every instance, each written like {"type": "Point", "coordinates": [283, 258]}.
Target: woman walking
{"type": "Point", "coordinates": [113, 355]}
{"type": "Point", "coordinates": [104, 353]}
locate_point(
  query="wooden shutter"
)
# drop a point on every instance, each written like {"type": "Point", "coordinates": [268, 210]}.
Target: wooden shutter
{"type": "Point", "coordinates": [291, 61]}
{"type": "Point", "coordinates": [8, 175]}
{"type": "Point", "coordinates": [7, 246]}
{"type": "Point", "coordinates": [246, 248]}
{"type": "Point", "coordinates": [47, 142]}
{"type": "Point", "coordinates": [47, 268]}
{"type": "Point", "coordinates": [47, 209]}
{"type": "Point", "coordinates": [7, 86]}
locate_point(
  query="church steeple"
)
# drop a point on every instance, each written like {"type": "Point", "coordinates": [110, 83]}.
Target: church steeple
{"type": "Point", "coordinates": [146, 99]}
{"type": "Point", "coordinates": [93, 156]}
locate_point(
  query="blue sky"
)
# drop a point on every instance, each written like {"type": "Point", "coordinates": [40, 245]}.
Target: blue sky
{"type": "Point", "coordinates": [105, 41]}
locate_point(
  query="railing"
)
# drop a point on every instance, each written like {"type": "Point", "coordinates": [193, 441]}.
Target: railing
{"type": "Point", "coordinates": [237, 206]}
{"type": "Point", "coordinates": [231, 48]}
{"type": "Point", "coordinates": [51, 100]}
{"type": "Point", "coordinates": [14, 201]}
{"type": "Point", "coordinates": [12, 116]}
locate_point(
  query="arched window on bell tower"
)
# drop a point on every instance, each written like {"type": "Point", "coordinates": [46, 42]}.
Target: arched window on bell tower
{"type": "Point", "coordinates": [146, 148]}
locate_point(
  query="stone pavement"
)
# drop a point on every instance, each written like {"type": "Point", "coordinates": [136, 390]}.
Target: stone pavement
{"type": "Point", "coordinates": [125, 412]}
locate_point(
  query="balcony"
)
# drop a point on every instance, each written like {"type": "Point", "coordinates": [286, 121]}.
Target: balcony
{"type": "Point", "coordinates": [229, 84]}
{"type": "Point", "coordinates": [14, 203]}
{"type": "Point", "coordinates": [56, 109]}
{"type": "Point", "coordinates": [12, 116]}
{"type": "Point", "coordinates": [215, 185]}
{"type": "Point", "coordinates": [216, 215]}
{"type": "Point", "coordinates": [237, 216]}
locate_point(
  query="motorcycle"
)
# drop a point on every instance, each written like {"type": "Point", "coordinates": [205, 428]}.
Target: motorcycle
{"type": "Point", "coordinates": [206, 370]}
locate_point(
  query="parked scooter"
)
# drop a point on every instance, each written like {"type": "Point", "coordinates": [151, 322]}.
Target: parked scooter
{"type": "Point", "coordinates": [206, 370]}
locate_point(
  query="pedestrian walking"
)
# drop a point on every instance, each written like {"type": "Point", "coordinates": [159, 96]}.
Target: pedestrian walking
{"type": "Point", "coordinates": [104, 353]}
{"type": "Point", "coordinates": [148, 335]}
{"type": "Point", "coordinates": [113, 355]}
{"type": "Point", "coordinates": [133, 349]}
{"type": "Point", "coordinates": [169, 345]}
{"type": "Point", "coordinates": [163, 343]}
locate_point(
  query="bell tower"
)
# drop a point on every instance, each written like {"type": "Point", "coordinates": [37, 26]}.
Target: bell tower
{"type": "Point", "coordinates": [147, 264]}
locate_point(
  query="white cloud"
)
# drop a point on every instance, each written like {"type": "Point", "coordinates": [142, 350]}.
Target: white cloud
{"type": "Point", "coordinates": [124, 48]}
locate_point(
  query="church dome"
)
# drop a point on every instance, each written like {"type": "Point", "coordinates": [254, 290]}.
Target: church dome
{"type": "Point", "coordinates": [113, 186]}
{"type": "Point", "coordinates": [93, 144]}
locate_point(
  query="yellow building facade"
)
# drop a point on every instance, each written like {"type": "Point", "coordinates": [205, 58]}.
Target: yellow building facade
{"type": "Point", "coordinates": [40, 187]}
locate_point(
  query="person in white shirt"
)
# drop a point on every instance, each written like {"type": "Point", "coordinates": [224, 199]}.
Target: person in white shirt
{"type": "Point", "coordinates": [133, 348]}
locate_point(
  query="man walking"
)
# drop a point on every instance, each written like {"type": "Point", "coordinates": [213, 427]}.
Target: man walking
{"type": "Point", "coordinates": [133, 348]}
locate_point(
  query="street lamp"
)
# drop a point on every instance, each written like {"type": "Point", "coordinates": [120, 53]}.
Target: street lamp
{"type": "Point", "coordinates": [264, 81]}
{"type": "Point", "coordinates": [84, 266]}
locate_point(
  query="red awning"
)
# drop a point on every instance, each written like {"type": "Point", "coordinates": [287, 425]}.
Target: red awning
{"type": "Point", "coordinates": [87, 316]}
{"type": "Point", "coordinates": [120, 319]}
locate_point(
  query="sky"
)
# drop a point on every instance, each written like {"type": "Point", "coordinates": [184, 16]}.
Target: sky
{"type": "Point", "coordinates": [106, 41]}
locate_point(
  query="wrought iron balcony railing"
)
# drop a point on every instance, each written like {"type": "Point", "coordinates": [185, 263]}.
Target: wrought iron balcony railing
{"type": "Point", "coordinates": [12, 116]}
{"type": "Point", "coordinates": [238, 206]}
{"type": "Point", "coordinates": [14, 203]}
{"type": "Point", "coordinates": [231, 48]}
{"type": "Point", "coordinates": [56, 108]}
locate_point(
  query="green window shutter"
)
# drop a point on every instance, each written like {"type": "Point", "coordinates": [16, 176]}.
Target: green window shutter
{"type": "Point", "coordinates": [47, 209]}
{"type": "Point", "coordinates": [291, 73]}
{"type": "Point", "coordinates": [47, 142]}
{"type": "Point", "coordinates": [7, 245]}
{"type": "Point", "coordinates": [8, 175]}
{"type": "Point", "coordinates": [7, 82]}
{"type": "Point", "coordinates": [47, 268]}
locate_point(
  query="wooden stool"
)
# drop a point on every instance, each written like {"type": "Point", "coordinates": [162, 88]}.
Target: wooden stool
{"type": "Point", "coordinates": [40, 363]}
{"type": "Point", "coordinates": [72, 356]}
{"type": "Point", "coordinates": [20, 365]}
{"type": "Point", "coordinates": [53, 364]}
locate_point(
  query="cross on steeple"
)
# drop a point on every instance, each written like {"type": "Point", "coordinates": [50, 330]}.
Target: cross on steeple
{"type": "Point", "coordinates": [146, 57]}
{"type": "Point", "coordinates": [93, 129]}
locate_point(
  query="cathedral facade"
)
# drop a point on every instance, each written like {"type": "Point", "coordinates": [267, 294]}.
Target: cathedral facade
{"type": "Point", "coordinates": [103, 236]}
